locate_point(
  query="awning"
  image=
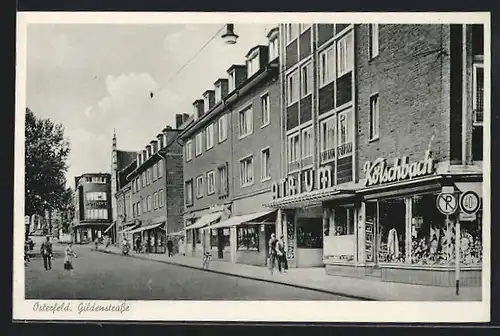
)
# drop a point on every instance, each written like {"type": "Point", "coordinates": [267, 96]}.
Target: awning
{"type": "Point", "coordinates": [144, 228]}
{"type": "Point", "coordinates": [128, 229]}
{"type": "Point", "coordinates": [238, 220]}
{"type": "Point", "coordinates": [311, 198]}
{"type": "Point", "coordinates": [109, 227]}
{"type": "Point", "coordinates": [205, 220]}
{"type": "Point", "coordinates": [178, 233]}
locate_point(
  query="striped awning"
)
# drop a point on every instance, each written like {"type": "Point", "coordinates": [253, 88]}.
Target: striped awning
{"type": "Point", "coordinates": [238, 220]}
{"type": "Point", "coordinates": [205, 220]}
{"type": "Point", "coordinates": [311, 198]}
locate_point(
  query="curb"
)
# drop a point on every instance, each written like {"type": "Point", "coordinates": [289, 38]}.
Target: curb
{"type": "Point", "coordinates": [245, 276]}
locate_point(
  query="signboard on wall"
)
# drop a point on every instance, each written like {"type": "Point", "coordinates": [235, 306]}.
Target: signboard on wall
{"type": "Point", "coordinates": [96, 204]}
{"type": "Point", "coordinates": [305, 181]}
{"type": "Point", "coordinates": [378, 172]}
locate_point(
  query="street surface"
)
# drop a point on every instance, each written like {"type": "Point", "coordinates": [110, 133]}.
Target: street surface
{"type": "Point", "coordinates": [105, 276]}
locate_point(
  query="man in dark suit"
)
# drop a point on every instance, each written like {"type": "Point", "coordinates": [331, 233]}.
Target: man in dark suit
{"type": "Point", "coordinates": [46, 251]}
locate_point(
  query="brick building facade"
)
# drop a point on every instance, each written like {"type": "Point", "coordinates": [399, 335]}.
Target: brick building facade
{"type": "Point", "coordinates": [377, 119]}
{"type": "Point", "coordinates": [232, 153]}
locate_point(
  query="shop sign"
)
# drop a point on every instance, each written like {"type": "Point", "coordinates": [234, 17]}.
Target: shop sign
{"type": "Point", "coordinates": [292, 185]}
{"type": "Point", "coordinates": [96, 204]}
{"type": "Point", "coordinates": [466, 217]}
{"type": "Point", "coordinates": [378, 172]}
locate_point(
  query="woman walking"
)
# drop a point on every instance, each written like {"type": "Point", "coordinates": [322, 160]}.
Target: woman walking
{"type": "Point", "coordinates": [68, 257]}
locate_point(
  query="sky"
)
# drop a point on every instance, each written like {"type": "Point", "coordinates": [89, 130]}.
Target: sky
{"type": "Point", "coordinates": [96, 78]}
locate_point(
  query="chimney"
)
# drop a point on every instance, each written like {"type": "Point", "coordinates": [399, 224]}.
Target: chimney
{"type": "Point", "coordinates": [159, 138]}
{"type": "Point", "coordinates": [208, 99]}
{"type": "Point", "coordinates": [169, 133]}
{"type": "Point", "coordinates": [237, 75]}
{"type": "Point", "coordinates": [154, 147]}
{"type": "Point", "coordinates": [220, 89]}
{"type": "Point", "coordinates": [179, 120]}
{"type": "Point", "coordinates": [198, 108]}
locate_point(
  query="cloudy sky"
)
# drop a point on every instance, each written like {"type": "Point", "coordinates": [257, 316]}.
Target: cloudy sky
{"type": "Point", "coordinates": [94, 78]}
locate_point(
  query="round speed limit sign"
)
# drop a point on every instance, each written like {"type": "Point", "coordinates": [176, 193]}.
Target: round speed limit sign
{"type": "Point", "coordinates": [469, 202]}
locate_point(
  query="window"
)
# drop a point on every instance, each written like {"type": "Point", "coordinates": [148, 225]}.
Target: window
{"type": "Point", "coordinates": [218, 93]}
{"type": "Point", "coordinates": [189, 150]}
{"type": "Point", "coordinates": [209, 136]}
{"type": "Point", "coordinates": [199, 143]}
{"type": "Point", "coordinates": [246, 171]}
{"type": "Point", "coordinates": [155, 200]}
{"type": "Point", "coordinates": [199, 186]}
{"type": "Point", "coordinates": [206, 102]}
{"type": "Point", "coordinates": [327, 139]}
{"type": "Point", "coordinates": [266, 113]}
{"type": "Point", "coordinates": [189, 192]}
{"type": "Point", "coordinates": [291, 32]}
{"type": "Point", "coordinates": [374, 40]}
{"type": "Point", "coordinates": [374, 117]}
{"type": "Point", "coordinates": [292, 85]}
{"type": "Point", "coordinates": [265, 164]}
{"type": "Point", "coordinates": [246, 122]}
{"type": "Point", "coordinates": [327, 66]}
{"type": "Point", "coordinates": [345, 134]}
{"type": "Point", "coordinates": [293, 148]}
{"type": "Point", "coordinates": [307, 143]}
{"type": "Point", "coordinates": [310, 233]}
{"type": "Point", "coordinates": [223, 180]}
{"type": "Point", "coordinates": [95, 196]}
{"type": "Point", "coordinates": [248, 238]}
{"type": "Point", "coordinates": [478, 94]}
{"type": "Point", "coordinates": [98, 179]}
{"type": "Point", "coordinates": [232, 81]}
{"type": "Point", "coordinates": [211, 183]}
{"type": "Point", "coordinates": [306, 79]}
{"type": "Point", "coordinates": [344, 221]}
{"type": "Point", "coordinates": [144, 205]}
{"type": "Point", "coordinates": [253, 65]}
{"type": "Point", "coordinates": [345, 55]}
{"type": "Point", "coordinates": [155, 172]}
{"type": "Point", "coordinates": [97, 214]}
{"type": "Point", "coordinates": [134, 210]}
{"type": "Point", "coordinates": [138, 181]}
{"type": "Point", "coordinates": [150, 175]}
{"type": "Point", "coordinates": [149, 205]}
{"type": "Point", "coordinates": [273, 48]}
{"type": "Point", "coordinates": [143, 175]}
{"type": "Point", "coordinates": [222, 128]}
{"type": "Point", "coordinates": [160, 169]}
{"type": "Point", "coordinates": [161, 198]}
{"type": "Point", "coordinates": [304, 26]}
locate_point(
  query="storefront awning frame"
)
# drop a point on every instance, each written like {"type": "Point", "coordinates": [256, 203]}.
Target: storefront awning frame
{"type": "Point", "coordinates": [126, 230]}
{"type": "Point", "coordinates": [110, 227]}
{"type": "Point", "coordinates": [243, 219]}
{"type": "Point", "coordinates": [146, 227]}
{"type": "Point", "coordinates": [312, 198]}
{"type": "Point", "coordinates": [205, 220]}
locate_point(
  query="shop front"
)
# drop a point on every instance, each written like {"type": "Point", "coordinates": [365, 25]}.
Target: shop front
{"type": "Point", "coordinates": [243, 239]}
{"type": "Point", "coordinates": [149, 238]}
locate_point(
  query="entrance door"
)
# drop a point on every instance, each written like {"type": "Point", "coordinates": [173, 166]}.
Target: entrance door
{"type": "Point", "coordinates": [220, 243]}
{"type": "Point", "coordinates": [268, 230]}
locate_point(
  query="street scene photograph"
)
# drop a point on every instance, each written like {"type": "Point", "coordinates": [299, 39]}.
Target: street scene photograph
{"type": "Point", "coordinates": [308, 161]}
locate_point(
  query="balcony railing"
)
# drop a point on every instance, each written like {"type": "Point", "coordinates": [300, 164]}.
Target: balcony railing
{"type": "Point", "coordinates": [328, 154]}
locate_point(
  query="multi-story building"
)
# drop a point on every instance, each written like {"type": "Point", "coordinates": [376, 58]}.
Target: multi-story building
{"type": "Point", "coordinates": [92, 206]}
{"type": "Point", "coordinates": [150, 192]}
{"type": "Point", "coordinates": [377, 119]}
{"type": "Point", "coordinates": [231, 155]}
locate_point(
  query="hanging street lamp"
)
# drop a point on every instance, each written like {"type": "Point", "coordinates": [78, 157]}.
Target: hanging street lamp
{"type": "Point", "coordinates": [230, 37]}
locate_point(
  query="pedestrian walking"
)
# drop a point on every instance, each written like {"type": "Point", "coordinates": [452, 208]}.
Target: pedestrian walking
{"type": "Point", "coordinates": [280, 251]}
{"type": "Point", "coordinates": [31, 244]}
{"type": "Point", "coordinates": [46, 252]}
{"type": "Point", "coordinates": [170, 248]}
{"type": "Point", "coordinates": [68, 257]}
{"type": "Point", "coordinates": [272, 252]}
{"type": "Point", "coordinates": [138, 245]}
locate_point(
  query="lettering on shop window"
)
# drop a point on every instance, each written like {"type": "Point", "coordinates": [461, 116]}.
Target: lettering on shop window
{"type": "Point", "coordinates": [291, 185]}
{"type": "Point", "coordinates": [378, 172]}
{"type": "Point", "coordinates": [97, 204]}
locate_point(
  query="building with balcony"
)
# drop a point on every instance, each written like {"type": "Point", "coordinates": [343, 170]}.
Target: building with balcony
{"type": "Point", "coordinates": [232, 153]}
{"type": "Point", "coordinates": [92, 206]}
{"type": "Point", "coordinates": [150, 193]}
{"type": "Point", "coordinates": [377, 119]}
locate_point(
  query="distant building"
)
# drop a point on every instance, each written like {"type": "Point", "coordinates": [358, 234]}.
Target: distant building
{"type": "Point", "coordinates": [92, 206]}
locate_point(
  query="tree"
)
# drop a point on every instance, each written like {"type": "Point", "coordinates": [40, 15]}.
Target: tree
{"type": "Point", "coordinates": [45, 165]}
{"type": "Point", "coordinates": [68, 210]}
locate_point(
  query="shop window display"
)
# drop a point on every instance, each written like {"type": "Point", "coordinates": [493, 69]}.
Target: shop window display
{"type": "Point", "coordinates": [392, 231]}
{"type": "Point", "coordinates": [344, 221]}
{"type": "Point", "coordinates": [310, 233]}
{"type": "Point", "coordinates": [248, 238]}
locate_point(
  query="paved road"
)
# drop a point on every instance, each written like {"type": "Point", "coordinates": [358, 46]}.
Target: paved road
{"type": "Point", "coordinates": [112, 277]}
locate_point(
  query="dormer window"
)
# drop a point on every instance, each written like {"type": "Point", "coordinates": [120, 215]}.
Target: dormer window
{"type": "Point", "coordinates": [218, 93]}
{"type": "Point", "coordinates": [195, 112]}
{"type": "Point", "coordinates": [206, 100]}
{"type": "Point", "coordinates": [253, 64]}
{"type": "Point", "coordinates": [273, 46]}
{"type": "Point", "coordinates": [291, 32]}
{"type": "Point", "coordinates": [232, 81]}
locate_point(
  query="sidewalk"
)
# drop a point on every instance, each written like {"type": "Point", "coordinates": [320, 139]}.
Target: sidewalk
{"type": "Point", "coordinates": [316, 279]}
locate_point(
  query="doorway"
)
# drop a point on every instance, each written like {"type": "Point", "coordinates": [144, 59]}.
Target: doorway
{"type": "Point", "coordinates": [268, 231]}
{"type": "Point", "coordinates": [220, 243]}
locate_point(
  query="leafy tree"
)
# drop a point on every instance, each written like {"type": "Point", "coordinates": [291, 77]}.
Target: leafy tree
{"type": "Point", "coordinates": [68, 210]}
{"type": "Point", "coordinates": [45, 165]}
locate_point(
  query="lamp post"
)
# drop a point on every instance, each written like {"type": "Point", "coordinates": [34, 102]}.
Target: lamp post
{"type": "Point", "coordinates": [229, 36]}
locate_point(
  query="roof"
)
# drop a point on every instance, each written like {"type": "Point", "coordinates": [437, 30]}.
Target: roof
{"type": "Point", "coordinates": [124, 158]}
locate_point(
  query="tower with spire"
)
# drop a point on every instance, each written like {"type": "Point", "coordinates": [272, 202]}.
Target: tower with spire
{"type": "Point", "coordinates": [114, 175]}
